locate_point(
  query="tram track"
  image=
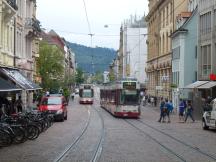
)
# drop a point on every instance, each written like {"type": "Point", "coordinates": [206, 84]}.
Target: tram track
{"type": "Point", "coordinates": [157, 141]}
{"type": "Point", "coordinates": [98, 148]}
{"type": "Point", "coordinates": [180, 141]}
{"type": "Point", "coordinates": [169, 149]}
{"type": "Point", "coordinates": [73, 144]}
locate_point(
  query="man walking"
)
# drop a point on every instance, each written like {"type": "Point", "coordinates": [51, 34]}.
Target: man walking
{"type": "Point", "coordinates": [181, 110]}
{"type": "Point", "coordinates": [162, 104]}
{"type": "Point", "coordinates": [189, 111]}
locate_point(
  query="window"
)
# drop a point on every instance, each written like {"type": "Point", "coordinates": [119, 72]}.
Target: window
{"type": "Point", "coordinates": [195, 76]}
{"type": "Point", "coordinates": [206, 59]}
{"type": "Point", "coordinates": [175, 78]}
{"type": "Point", "coordinates": [205, 23]}
{"type": "Point", "coordinates": [176, 53]}
{"type": "Point", "coordinates": [215, 17]}
{"type": "Point", "coordinates": [195, 51]}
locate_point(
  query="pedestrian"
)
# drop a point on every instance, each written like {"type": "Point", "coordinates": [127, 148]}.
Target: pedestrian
{"type": "Point", "coordinates": [171, 106]}
{"type": "Point", "coordinates": [155, 101]}
{"type": "Point", "coordinates": [144, 101]}
{"type": "Point", "coordinates": [181, 110]}
{"type": "Point", "coordinates": [162, 104]}
{"type": "Point", "coordinates": [189, 111]}
{"type": "Point", "coordinates": [19, 104]}
{"type": "Point", "coordinates": [168, 109]}
{"type": "Point", "coordinates": [47, 93]}
{"type": "Point", "coordinates": [141, 96]}
{"type": "Point", "coordinates": [72, 96]}
{"type": "Point", "coordinates": [152, 101]}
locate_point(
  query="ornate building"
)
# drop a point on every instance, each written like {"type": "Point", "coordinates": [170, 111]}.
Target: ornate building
{"type": "Point", "coordinates": [7, 11]}
{"type": "Point", "coordinates": [161, 23]}
{"type": "Point", "coordinates": [19, 30]}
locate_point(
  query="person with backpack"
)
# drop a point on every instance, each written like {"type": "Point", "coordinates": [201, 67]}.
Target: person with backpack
{"type": "Point", "coordinates": [169, 108]}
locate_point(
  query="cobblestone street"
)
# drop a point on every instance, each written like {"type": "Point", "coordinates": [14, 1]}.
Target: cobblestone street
{"type": "Point", "coordinates": [144, 139]}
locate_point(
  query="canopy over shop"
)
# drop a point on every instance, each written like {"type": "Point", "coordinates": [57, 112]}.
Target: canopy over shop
{"type": "Point", "coordinates": [14, 76]}
{"type": "Point", "coordinates": [207, 88]}
{"type": "Point", "coordinates": [13, 84]}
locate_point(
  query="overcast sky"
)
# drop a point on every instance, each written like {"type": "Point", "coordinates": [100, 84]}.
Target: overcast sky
{"type": "Point", "coordinates": [68, 19]}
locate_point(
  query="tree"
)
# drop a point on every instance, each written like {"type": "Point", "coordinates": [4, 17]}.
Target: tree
{"type": "Point", "coordinates": [98, 77]}
{"type": "Point", "coordinates": [111, 76]}
{"type": "Point", "coordinates": [79, 76]}
{"type": "Point", "coordinates": [51, 65]}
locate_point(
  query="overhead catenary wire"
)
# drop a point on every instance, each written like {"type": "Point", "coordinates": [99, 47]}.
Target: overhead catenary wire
{"type": "Point", "coordinates": [89, 27]}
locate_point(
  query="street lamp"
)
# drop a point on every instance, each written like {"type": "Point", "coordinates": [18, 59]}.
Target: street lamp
{"type": "Point", "coordinates": [91, 35]}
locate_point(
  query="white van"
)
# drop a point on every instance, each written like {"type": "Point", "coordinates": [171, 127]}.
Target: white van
{"type": "Point", "coordinates": [209, 116]}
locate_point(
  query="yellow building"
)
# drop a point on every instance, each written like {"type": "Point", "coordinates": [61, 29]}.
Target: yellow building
{"type": "Point", "coordinates": [7, 11]}
{"type": "Point", "coordinates": [161, 23]}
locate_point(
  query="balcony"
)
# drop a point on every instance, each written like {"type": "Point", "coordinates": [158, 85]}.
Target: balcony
{"type": "Point", "coordinates": [34, 27]}
{"type": "Point", "coordinates": [9, 8]}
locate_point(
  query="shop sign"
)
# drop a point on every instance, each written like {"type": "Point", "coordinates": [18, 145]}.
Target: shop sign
{"type": "Point", "coordinates": [212, 76]}
{"type": "Point", "coordinates": [164, 78]}
{"type": "Point", "coordinates": [159, 88]}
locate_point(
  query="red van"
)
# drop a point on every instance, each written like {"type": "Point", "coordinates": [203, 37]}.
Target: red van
{"type": "Point", "coordinates": [56, 105]}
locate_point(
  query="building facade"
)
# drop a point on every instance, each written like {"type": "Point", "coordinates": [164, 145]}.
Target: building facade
{"type": "Point", "coordinates": [8, 10]}
{"type": "Point", "coordinates": [135, 49]}
{"type": "Point", "coordinates": [19, 29]}
{"type": "Point", "coordinates": [161, 24]}
{"type": "Point", "coordinates": [184, 53]}
{"type": "Point", "coordinates": [206, 39]}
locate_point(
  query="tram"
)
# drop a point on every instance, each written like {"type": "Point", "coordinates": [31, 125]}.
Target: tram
{"type": "Point", "coordinates": [121, 99]}
{"type": "Point", "coordinates": [86, 94]}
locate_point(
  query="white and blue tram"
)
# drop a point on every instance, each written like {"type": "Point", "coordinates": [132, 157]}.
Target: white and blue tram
{"type": "Point", "coordinates": [121, 98]}
{"type": "Point", "coordinates": [86, 94]}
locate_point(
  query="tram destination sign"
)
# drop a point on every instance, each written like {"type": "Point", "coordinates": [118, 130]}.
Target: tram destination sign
{"type": "Point", "coordinates": [129, 85]}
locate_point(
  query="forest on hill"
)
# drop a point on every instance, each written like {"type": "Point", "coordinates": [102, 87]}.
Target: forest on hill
{"type": "Point", "coordinates": [86, 56]}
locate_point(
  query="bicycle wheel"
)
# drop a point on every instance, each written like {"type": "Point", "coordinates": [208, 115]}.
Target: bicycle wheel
{"type": "Point", "coordinates": [5, 138]}
{"type": "Point", "coordinates": [32, 132]}
{"type": "Point", "coordinates": [19, 134]}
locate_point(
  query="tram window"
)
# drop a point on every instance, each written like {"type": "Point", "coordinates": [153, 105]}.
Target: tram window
{"type": "Point", "coordinates": [113, 96]}
{"type": "Point", "coordinates": [129, 97]}
{"type": "Point", "coordinates": [87, 93]}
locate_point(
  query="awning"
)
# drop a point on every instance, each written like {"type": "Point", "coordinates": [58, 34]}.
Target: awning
{"type": "Point", "coordinates": [19, 79]}
{"type": "Point", "coordinates": [208, 85]}
{"type": "Point", "coordinates": [6, 86]}
{"type": "Point", "coordinates": [195, 84]}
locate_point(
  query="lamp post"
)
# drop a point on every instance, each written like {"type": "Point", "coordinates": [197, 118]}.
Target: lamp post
{"type": "Point", "coordinates": [91, 35]}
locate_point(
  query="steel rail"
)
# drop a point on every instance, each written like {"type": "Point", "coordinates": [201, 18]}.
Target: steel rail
{"type": "Point", "coordinates": [99, 147]}
{"type": "Point", "coordinates": [155, 140]}
{"type": "Point", "coordinates": [178, 140]}
{"type": "Point", "coordinates": [73, 144]}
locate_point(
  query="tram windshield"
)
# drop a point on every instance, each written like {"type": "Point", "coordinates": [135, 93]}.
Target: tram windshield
{"type": "Point", "coordinates": [130, 97]}
{"type": "Point", "coordinates": [87, 93]}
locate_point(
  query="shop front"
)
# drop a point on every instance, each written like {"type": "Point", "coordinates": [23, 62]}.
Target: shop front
{"type": "Point", "coordinates": [13, 84]}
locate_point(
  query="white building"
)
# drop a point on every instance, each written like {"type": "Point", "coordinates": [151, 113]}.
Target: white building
{"type": "Point", "coordinates": [135, 49]}
{"type": "Point", "coordinates": [106, 76]}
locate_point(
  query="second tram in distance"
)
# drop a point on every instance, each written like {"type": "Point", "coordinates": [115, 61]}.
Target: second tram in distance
{"type": "Point", "coordinates": [121, 98]}
{"type": "Point", "coordinates": [86, 94]}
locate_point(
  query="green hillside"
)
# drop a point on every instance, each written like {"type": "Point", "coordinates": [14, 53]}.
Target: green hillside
{"type": "Point", "coordinates": [101, 57]}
